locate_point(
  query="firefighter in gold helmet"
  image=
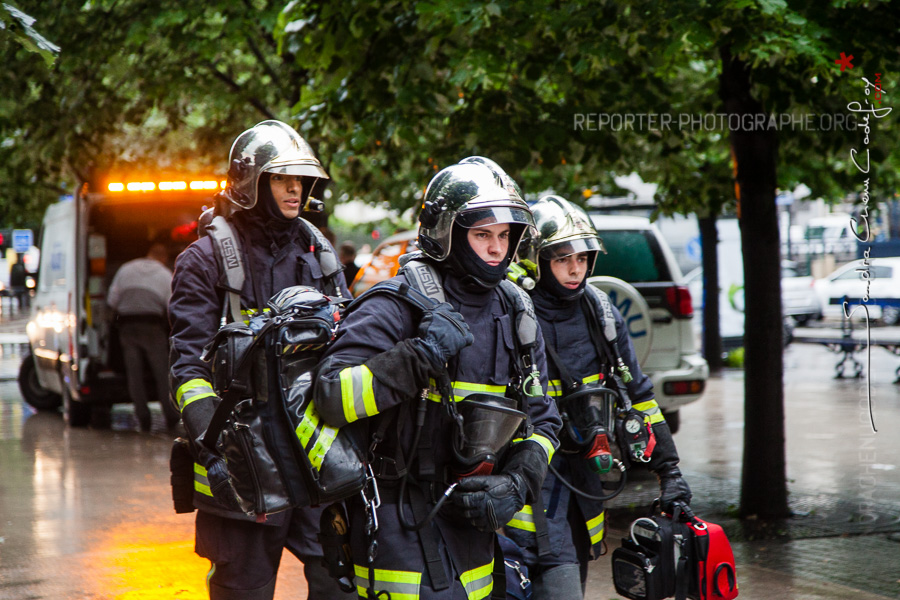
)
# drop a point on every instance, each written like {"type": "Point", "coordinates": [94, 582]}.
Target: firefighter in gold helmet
{"type": "Point", "coordinates": [602, 396]}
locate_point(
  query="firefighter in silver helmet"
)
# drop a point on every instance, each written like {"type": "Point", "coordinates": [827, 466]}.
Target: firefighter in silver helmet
{"type": "Point", "coordinates": [428, 386]}
{"type": "Point", "coordinates": [273, 174]}
{"type": "Point", "coordinates": [594, 377]}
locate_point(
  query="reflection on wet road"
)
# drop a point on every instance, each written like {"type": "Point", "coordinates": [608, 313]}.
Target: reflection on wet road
{"type": "Point", "coordinates": [87, 514]}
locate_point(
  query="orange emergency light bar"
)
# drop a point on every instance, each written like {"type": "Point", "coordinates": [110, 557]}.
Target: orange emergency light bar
{"type": "Point", "coordinates": [166, 186]}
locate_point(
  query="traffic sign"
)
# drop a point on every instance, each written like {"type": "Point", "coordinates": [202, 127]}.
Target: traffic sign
{"type": "Point", "coordinates": [22, 240]}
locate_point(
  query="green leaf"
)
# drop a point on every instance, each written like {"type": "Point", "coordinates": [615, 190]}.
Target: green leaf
{"type": "Point", "coordinates": [20, 25]}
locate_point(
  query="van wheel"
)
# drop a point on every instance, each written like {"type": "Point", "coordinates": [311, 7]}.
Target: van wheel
{"type": "Point", "coordinates": [673, 420]}
{"type": "Point", "coordinates": [75, 413]}
{"type": "Point", "coordinates": [32, 392]}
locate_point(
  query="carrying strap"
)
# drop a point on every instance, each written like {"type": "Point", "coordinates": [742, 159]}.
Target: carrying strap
{"type": "Point", "coordinates": [328, 260]}
{"type": "Point", "coordinates": [498, 592]}
{"type": "Point", "coordinates": [523, 312]}
{"type": "Point", "coordinates": [600, 312]}
{"type": "Point", "coordinates": [569, 383]}
{"type": "Point", "coordinates": [233, 395]}
{"type": "Point", "coordinates": [682, 576]}
{"type": "Point", "coordinates": [231, 264]}
{"type": "Point", "coordinates": [429, 541]}
{"type": "Point", "coordinates": [601, 306]}
{"type": "Point", "coordinates": [541, 528]}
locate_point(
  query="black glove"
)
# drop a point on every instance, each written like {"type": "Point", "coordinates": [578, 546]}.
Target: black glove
{"type": "Point", "coordinates": [673, 488]}
{"type": "Point", "coordinates": [220, 482]}
{"type": "Point", "coordinates": [196, 417]}
{"type": "Point", "coordinates": [490, 501]}
{"type": "Point", "coordinates": [444, 332]}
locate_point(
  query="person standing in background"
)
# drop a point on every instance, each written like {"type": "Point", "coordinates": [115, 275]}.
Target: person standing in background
{"type": "Point", "coordinates": [139, 294]}
{"type": "Point", "coordinates": [347, 256]}
{"type": "Point", "coordinates": [17, 279]}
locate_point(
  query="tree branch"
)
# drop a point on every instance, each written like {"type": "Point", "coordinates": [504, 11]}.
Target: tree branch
{"type": "Point", "coordinates": [276, 80]}
{"type": "Point", "coordinates": [235, 87]}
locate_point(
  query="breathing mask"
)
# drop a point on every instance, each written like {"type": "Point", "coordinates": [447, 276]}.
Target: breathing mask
{"type": "Point", "coordinates": [588, 415]}
{"type": "Point", "coordinates": [485, 425]}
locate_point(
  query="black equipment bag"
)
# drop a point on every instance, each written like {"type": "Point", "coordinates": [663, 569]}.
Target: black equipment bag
{"type": "Point", "coordinates": [280, 453]}
{"type": "Point", "coordinates": [681, 557]}
{"type": "Point", "coordinates": [653, 563]}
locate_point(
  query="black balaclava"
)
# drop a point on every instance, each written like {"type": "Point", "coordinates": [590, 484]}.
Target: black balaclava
{"type": "Point", "coordinates": [267, 218]}
{"type": "Point", "coordinates": [549, 285]}
{"type": "Point", "coordinates": [475, 274]}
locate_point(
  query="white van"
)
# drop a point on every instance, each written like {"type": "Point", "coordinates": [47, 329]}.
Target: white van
{"type": "Point", "coordinates": [75, 359]}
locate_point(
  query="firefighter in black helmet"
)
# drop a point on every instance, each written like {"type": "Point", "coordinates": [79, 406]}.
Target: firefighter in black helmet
{"type": "Point", "coordinates": [416, 382]}
{"type": "Point", "coordinates": [273, 174]}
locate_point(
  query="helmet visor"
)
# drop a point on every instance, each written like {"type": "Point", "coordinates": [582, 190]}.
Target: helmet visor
{"type": "Point", "coordinates": [481, 217]}
{"type": "Point", "coordinates": [304, 170]}
{"type": "Point", "coordinates": [569, 247]}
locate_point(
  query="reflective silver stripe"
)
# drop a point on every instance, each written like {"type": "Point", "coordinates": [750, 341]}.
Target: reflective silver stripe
{"type": "Point", "coordinates": [191, 391]}
{"type": "Point", "coordinates": [201, 483]}
{"type": "Point", "coordinates": [402, 585]}
{"type": "Point", "coordinates": [554, 388]}
{"type": "Point", "coordinates": [461, 389]}
{"type": "Point", "coordinates": [651, 409]}
{"type": "Point", "coordinates": [524, 519]}
{"type": "Point", "coordinates": [596, 527]}
{"type": "Point", "coordinates": [478, 582]}
{"type": "Point", "coordinates": [357, 395]}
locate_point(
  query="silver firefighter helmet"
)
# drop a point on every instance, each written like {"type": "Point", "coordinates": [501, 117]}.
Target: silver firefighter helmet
{"type": "Point", "coordinates": [560, 229]}
{"type": "Point", "coordinates": [474, 191]}
{"type": "Point", "coordinates": [269, 147]}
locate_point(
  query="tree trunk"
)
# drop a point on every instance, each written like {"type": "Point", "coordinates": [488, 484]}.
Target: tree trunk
{"type": "Point", "coordinates": [763, 478]}
{"type": "Point", "coordinates": [712, 334]}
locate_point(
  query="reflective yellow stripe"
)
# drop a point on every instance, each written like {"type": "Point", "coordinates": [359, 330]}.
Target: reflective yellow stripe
{"type": "Point", "coordinates": [201, 483]}
{"type": "Point", "coordinates": [308, 426]}
{"type": "Point", "coordinates": [357, 395]}
{"type": "Point", "coordinates": [596, 527]}
{"type": "Point", "coordinates": [478, 582]}
{"type": "Point", "coordinates": [554, 388]}
{"type": "Point", "coordinates": [524, 519]}
{"type": "Point", "coordinates": [402, 585]}
{"type": "Point", "coordinates": [191, 391]}
{"type": "Point", "coordinates": [545, 443]}
{"type": "Point", "coordinates": [651, 409]}
{"type": "Point", "coordinates": [461, 389]}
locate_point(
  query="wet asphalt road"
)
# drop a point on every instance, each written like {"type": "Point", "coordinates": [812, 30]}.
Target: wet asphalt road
{"type": "Point", "coordinates": [86, 514]}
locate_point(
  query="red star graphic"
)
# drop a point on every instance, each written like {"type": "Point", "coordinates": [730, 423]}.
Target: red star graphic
{"type": "Point", "coordinates": [844, 61]}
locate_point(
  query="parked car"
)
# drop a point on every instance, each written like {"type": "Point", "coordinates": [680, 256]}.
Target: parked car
{"type": "Point", "coordinates": [799, 299]}
{"type": "Point", "coordinates": [658, 313]}
{"type": "Point", "coordinates": [383, 263]}
{"type": "Point", "coordinates": [799, 302]}
{"type": "Point", "coordinates": [879, 279]}
{"type": "Point", "coordinates": [639, 255]}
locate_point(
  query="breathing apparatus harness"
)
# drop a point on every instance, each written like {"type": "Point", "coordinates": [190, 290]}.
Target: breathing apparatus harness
{"type": "Point", "coordinates": [633, 430]}
{"type": "Point", "coordinates": [216, 223]}
{"type": "Point", "coordinates": [588, 412]}
{"type": "Point", "coordinates": [484, 423]}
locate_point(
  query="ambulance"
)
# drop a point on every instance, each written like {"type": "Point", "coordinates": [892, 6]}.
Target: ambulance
{"type": "Point", "coordinates": [75, 359]}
